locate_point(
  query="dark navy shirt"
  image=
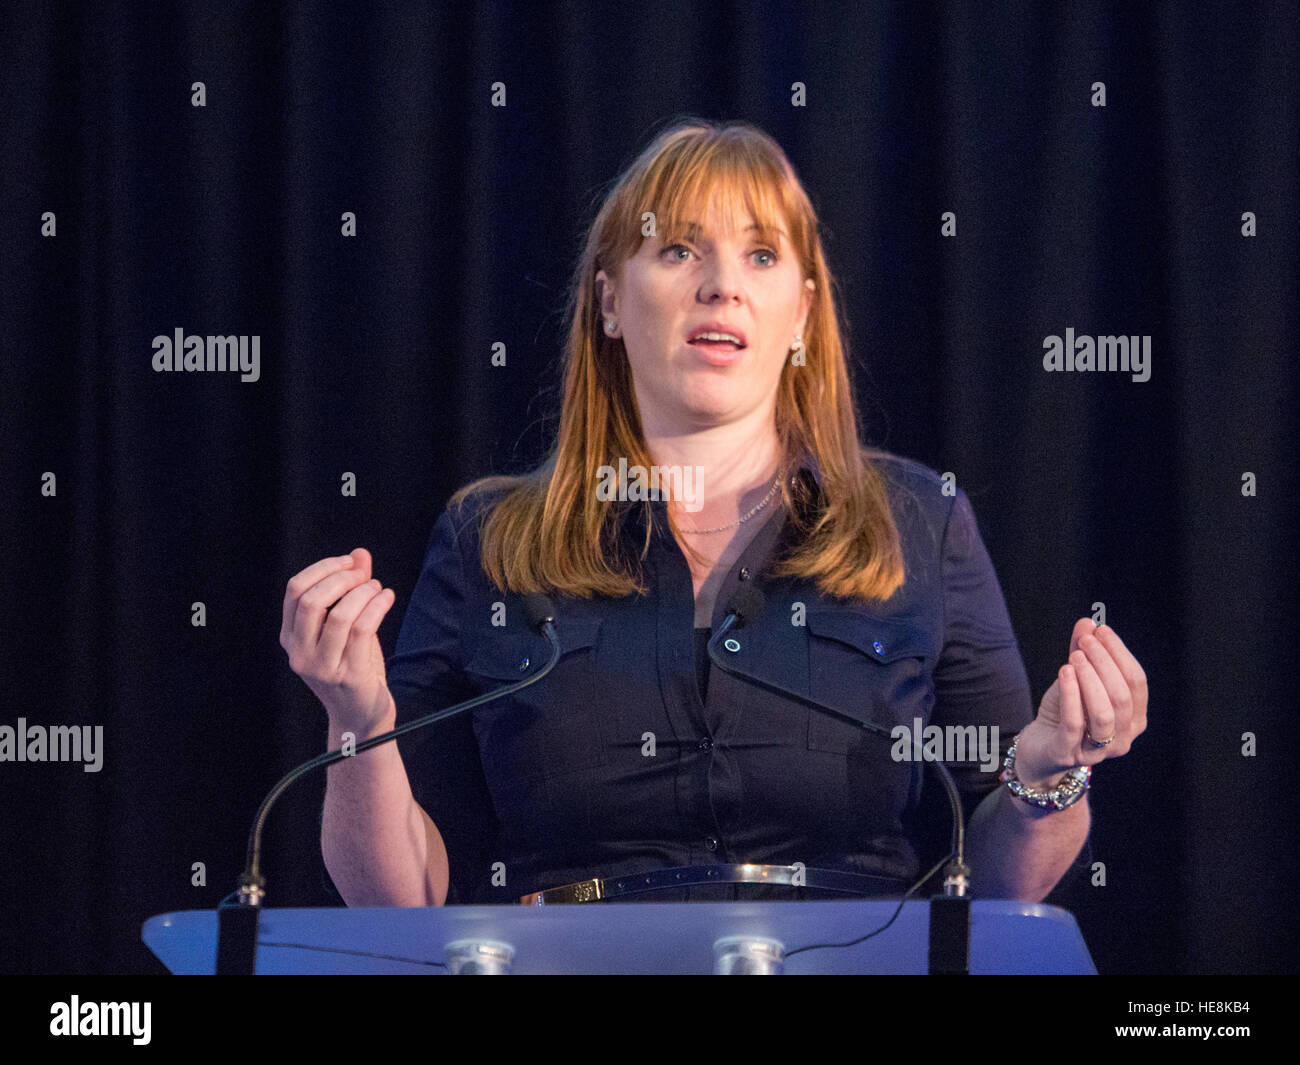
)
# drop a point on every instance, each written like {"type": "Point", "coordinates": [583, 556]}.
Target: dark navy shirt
{"type": "Point", "coordinates": [622, 760]}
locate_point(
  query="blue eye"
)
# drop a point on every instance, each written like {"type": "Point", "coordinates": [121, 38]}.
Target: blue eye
{"type": "Point", "coordinates": [773, 257]}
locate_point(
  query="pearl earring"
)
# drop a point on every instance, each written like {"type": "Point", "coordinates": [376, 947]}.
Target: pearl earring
{"type": "Point", "coordinates": [610, 327]}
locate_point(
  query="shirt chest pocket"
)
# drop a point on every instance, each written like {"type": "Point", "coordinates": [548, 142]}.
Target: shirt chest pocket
{"type": "Point", "coordinates": [549, 728]}
{"type": "Point", "coordinates": [874, 669]}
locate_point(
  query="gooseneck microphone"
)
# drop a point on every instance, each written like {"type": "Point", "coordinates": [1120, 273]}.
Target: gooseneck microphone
{"type": "Point", "coordinates": [237, 921]}
{"type": "Point", "coordinates": [950, 922]}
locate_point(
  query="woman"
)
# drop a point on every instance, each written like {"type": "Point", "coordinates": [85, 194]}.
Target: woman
{"type": "Point", "coordinates": [703, 361]}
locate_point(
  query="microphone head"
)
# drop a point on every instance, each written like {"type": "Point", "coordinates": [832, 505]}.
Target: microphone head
{"type": "Point", "coordinates": [539, 609]}
{"type": "Point", "coordinates": [747, 604]}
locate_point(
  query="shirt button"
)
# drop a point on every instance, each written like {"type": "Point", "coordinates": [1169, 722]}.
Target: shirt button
{"type": "Point", "coordinates": [705, 745]}
{"type": "Point", "coordinates": [711, 844]}
{"type": "Point", "coordinates": [744, 573]}
{"type": "Point", "coordinates": [523, 665]}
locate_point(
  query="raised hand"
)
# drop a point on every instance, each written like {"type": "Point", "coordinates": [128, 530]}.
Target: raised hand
{"type": "Point", "coordinates": [1094, 710]}
{"type": "Point", "coordinates": [332, 612]}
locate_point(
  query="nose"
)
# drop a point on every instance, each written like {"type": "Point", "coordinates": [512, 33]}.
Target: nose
{"type": "Point", "coordinates": [721, 281]}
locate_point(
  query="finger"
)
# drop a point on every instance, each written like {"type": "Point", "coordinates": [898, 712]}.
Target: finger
{"type": "Point", "coordinates": [1096, 707]}
{"type": "Point", "coordinates": [1117, 690]}
{"type": "Point", "coordinates": [315, 605]}
{"type": "Point", "coordinates": [359, 647]}
{"type": "Point", "coordinates": [1134, 677]}
{"type": "Point", "coordinates": [361, 559]}
{"type": "Point", "coordinates": [300, 583]}
{"type": "Point", "coordinates": [338, 626]}
{"type": "Point", "coordinates": [1082, 628]}
{"type": "Point", "coordinates": [1073, 721]}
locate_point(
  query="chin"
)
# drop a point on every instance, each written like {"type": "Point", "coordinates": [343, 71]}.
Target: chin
{"type": "Point", "coordinates": [710, 415]}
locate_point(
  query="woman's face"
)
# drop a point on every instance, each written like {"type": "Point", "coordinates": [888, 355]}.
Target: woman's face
{"type": "Point", "coordinates": [722, 281]}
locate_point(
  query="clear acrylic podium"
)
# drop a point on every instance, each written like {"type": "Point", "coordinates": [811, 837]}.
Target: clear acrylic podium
{"type": "Point", "coordinates": [628, 938]}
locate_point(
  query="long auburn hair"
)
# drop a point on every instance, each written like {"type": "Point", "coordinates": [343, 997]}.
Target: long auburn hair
{"type": "Point", "coordinates": [551, 532]}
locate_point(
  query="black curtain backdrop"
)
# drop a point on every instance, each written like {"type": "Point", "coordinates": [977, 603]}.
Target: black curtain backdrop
{"type": "Point", "coordinates": [375, 361]}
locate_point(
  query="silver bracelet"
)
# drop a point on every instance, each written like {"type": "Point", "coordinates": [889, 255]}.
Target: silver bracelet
{"type": "Point", "coordinates": [1069, 789]}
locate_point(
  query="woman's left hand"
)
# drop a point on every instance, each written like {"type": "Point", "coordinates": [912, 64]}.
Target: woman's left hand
{"type": "Point", "coordinates": [1099, 697]}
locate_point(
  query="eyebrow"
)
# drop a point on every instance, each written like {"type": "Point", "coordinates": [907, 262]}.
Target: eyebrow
{"type": "Point", "coordinates": [694, 229]}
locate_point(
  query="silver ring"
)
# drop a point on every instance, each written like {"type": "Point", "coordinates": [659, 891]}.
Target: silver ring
{"type": "Point", "coordinates": [1104, 743]}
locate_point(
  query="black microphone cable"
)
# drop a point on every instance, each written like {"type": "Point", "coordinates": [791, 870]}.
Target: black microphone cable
{"type": "Point", "coordinates": [235, 951]}
{"type": "Point", "coordinates": [949, 927]}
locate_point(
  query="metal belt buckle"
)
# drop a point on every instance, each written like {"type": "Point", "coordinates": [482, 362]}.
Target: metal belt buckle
{"type": "Point", "coordinates": [583, 891]}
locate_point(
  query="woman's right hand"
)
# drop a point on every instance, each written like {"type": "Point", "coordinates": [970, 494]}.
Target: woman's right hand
{"type": "Point", "coordinates": [332, 611]}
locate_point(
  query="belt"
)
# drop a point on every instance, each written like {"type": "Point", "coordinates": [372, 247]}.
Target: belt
{"type": "Point", "coordinates": [599, 889]}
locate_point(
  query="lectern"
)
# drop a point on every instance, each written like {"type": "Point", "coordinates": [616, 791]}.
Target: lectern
{"type": "Point", "coordinates": [629, 938]}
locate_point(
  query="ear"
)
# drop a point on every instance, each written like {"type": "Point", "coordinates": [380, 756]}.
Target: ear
{"type": "Point", "coordinates": [606, 295]}
{"type": "Point", "coordinates": [805, 303]}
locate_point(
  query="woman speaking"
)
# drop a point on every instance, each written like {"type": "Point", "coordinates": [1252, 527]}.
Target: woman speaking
{"type": "Point", "coordinates": [707, 450]}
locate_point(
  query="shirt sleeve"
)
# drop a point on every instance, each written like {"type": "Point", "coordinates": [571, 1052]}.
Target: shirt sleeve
{"type": "Point", "coordinates": [425, 674]}
{"type": "Point", "coordinates": [979, 678]}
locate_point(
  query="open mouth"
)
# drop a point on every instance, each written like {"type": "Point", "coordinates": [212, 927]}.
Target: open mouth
{"type": "Point", "coordinates": [718, 345]}
{"type": "Point", "coordinates": [717, 339]}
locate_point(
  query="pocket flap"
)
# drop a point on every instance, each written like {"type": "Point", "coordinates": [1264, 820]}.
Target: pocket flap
{"type": "Point", "coordinates": [880, 639]}
{"type": "Point", "coordinates": [513, 654]}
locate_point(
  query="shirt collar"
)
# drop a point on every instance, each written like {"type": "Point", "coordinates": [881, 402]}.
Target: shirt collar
{"type": "Point", "coordinates": [808, 464]}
